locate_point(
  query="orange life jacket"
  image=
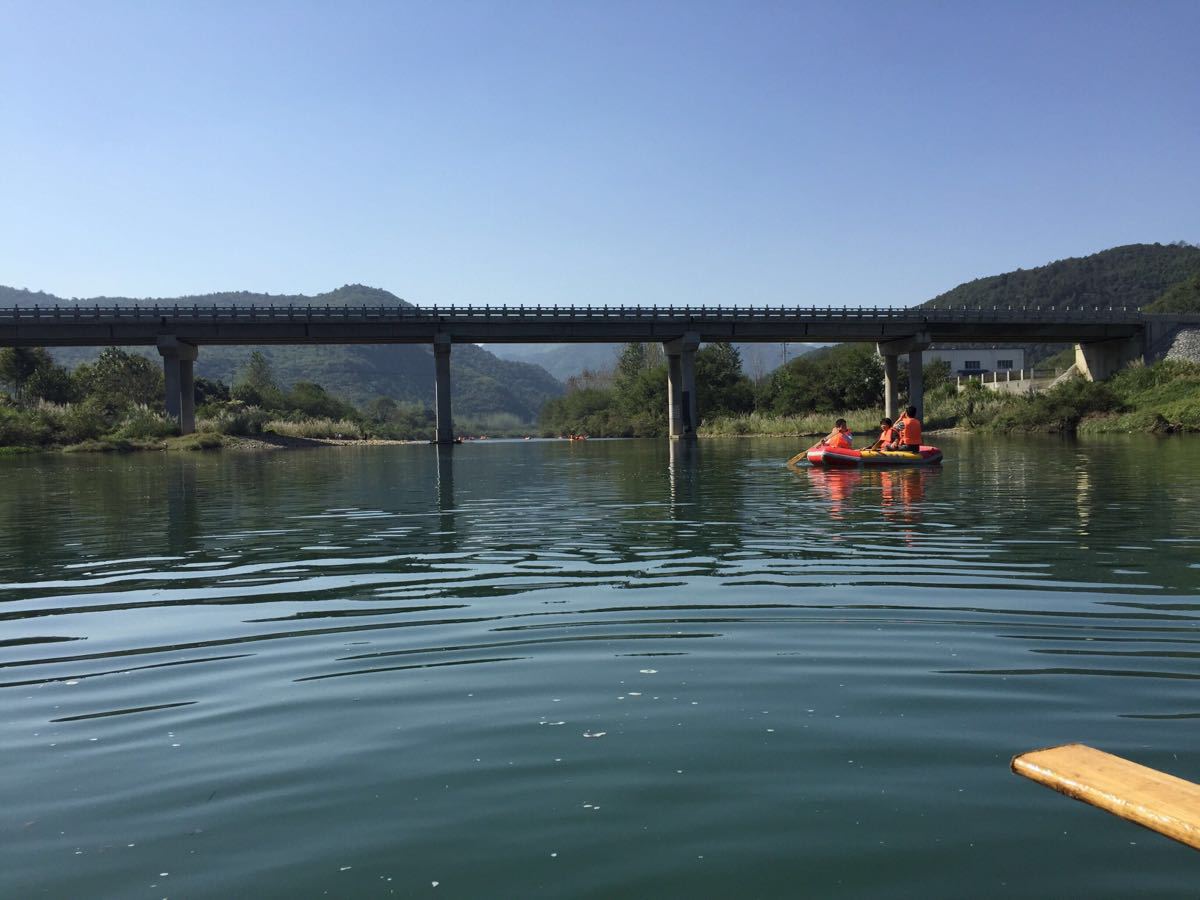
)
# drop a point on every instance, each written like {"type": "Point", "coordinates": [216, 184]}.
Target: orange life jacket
{"type": "Point", "coordinates": [887, 436]}
{"type": "Point", "coordinates": [911, 431]}
{"type": "Point", "coordinates": [840, 441]}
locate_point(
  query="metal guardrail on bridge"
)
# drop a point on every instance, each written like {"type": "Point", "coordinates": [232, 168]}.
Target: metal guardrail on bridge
{"type": "Point", "coordinates": [316, 313]}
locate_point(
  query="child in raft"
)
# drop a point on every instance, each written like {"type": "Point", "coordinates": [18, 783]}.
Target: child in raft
{"type": "Point", "coordinates": [840, 438]}
{"type": "Point", "coordinates": [889, 434]}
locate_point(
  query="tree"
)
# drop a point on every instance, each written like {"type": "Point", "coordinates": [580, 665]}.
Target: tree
{"type": "Point", "coordinates": [256, 383]}
{"type": "Point", "coordinates": [935, 374]}
{"type": "Point", "coordinates": [18, 364]}
{"type": "Point", "coordinates": [120, 378]}
{"type": "Point", "coordinates": [630, 364]}
{"type": "Point", "coordinates": [312, 400]}
{"type": "Point", "coordinates": [721, 386]}
{"type": "Point", "coordinates": [52, 383]}
{"type": "Point", "coordinates": [211, 391]}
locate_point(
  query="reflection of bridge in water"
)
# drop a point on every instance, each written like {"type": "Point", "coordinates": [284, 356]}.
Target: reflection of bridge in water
{"type": "Point", "coordinates": [1105, 338]}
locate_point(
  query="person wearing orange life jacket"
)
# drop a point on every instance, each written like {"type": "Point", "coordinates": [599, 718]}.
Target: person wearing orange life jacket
{"type": "Point", "coordinates": [910, 431]}
{"type": "Point", "coordinates": [889, 434]}
{"type": "Point", "coordinates": [840, 438]}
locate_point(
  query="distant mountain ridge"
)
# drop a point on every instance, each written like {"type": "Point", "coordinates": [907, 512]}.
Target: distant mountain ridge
{"type": "Point", "coordinates": [482, 385]}
{"type": "Point", "coordinates": [565, 360]}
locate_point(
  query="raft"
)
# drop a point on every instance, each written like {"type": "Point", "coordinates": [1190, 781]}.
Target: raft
{"type": "Point", "coordinates": [821, 455]}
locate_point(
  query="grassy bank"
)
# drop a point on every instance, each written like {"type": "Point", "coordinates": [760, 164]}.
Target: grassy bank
{"type": "Point", "coordinates": [861, 422]}
{"type": "Point", "coordinates": [1164, 397]}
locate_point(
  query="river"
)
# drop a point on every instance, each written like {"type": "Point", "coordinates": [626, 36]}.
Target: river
{"type": "Point", "coordinates": [612, 668]}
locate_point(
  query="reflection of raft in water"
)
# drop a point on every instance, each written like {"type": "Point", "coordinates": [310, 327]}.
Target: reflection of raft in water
{"type": "Point", "coordinates": [822, 455]}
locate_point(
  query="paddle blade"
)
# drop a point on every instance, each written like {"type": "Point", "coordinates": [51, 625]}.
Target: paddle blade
{"type": "Point", "coordinates": [1152, 799]}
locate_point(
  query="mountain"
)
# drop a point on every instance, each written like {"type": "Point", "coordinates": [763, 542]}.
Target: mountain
{"type": "Point", "coordinates": [481, 384]}
{"type": "Point", "coordinates": [1181, 298]}
{"type": "Point", "coordinates": [560, 360]}
{"type": "Point", "coordinates": [1132, 275]}
{"type": "Point", "coordinates": [565, 360]}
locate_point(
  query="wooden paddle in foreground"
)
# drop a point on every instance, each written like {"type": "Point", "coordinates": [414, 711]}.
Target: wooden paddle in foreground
{"type": "Point", "coordinates": [1153, 799]}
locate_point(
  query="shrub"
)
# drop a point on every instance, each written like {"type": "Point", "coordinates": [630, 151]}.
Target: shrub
{"type": "Point", "coordinates": [20, 428]}
{"type": "Point", "coordinates": [232, 418]}
{"type": "Point", "coordinates": [142, 423]}
{"type": "Point", "coordinates": [80, 422]}
{"type": "Point", "coordinates": [316, 428]}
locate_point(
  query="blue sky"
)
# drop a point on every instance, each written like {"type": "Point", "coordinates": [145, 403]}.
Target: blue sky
{"type": "Point", "coordinates": [600, 152]}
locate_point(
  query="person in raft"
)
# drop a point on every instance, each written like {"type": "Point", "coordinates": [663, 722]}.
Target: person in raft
{"type": "Point", "coordinates": [889, 434]}
{"type": "Point", "coordinates": [910, 431]}
{"type": "Point", "coordinates": [840, 438]}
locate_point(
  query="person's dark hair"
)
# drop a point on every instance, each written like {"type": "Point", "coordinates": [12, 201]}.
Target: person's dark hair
{"type": "Point", "coordinates": [912, 411]}
{"type": "Point", "coordinates": [885, 422]}
{"type": "Point", "coordinates": [839, 423]}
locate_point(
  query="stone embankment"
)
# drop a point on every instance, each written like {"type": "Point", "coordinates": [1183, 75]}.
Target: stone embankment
{"type": "Point", "coordinates": [1186, 346]}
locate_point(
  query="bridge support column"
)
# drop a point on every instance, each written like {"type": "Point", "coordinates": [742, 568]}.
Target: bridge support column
{"type": "Point", "coordinates": [1100, 360]}
{"type": "Point", "coordinates": [179, 381]}
{"type": "Point", "coordinates": [187, 396]}
{"type": "Point", "coordinates": [441, 389]}
{"type": "Point", "coordinates": [891, 385]}
{"type": "Point", "coordinates": [683, 410]}
{"type": "Point", "coordinates": [916, 382]}
{"type": "Point", "coordinates": [890, 350]}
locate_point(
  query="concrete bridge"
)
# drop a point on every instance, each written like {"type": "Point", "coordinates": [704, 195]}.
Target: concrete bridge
{"type": "Point", "coordinates": [1105, 338]}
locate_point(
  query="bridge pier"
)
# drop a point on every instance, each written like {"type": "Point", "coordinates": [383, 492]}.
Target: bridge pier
{"type": "Point", "coordinates": [891, 393]}
{"type": "Point", "coordinates": [890, 351]}
{"type": "Point", "coordinates": [1100, 360]}
{"type": "Point", "coordinates": [441, 389]}
{"type": "Point", "coordinates": [916, 382]}
{"type": "Point", "coordinates": [179, 381]}
{"type": "Point", "coordinates": [683, 410]}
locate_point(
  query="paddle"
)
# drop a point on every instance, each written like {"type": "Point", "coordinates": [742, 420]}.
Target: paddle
{"type": "Point", "coordinates": [1153, 799]}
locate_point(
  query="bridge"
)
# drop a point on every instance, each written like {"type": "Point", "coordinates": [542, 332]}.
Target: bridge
{"type": "Point", "coordinates": [1105, 338]}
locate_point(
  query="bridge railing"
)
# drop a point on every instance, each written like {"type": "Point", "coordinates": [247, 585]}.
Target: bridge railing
{"type": "Point", "coordinates": [319, 313]}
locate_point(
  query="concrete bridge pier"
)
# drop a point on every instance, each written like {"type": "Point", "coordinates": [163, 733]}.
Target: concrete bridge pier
{"type": "Point", "coordinates": [1100, 360]}
{"type": "Point", "coordinates": [890, 351]}
{"type": "Point", "coordinates": [441, 389]}
{"type": "Point", "coordinates": [891, 384]}
{"type": "Point", "coordinates": [916, 382]}
{"type": "Point", "coordinates": [683, 410]}
{"type": "Point", "coordinates": [180, 382]}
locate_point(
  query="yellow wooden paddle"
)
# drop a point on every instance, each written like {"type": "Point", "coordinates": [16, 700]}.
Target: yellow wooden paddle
{"type": "Point", "coordinates": [1152, 799]}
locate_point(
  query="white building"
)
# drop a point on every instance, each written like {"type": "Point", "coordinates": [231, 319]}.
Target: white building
{"type": "Point", "coordinates": [977, 360]}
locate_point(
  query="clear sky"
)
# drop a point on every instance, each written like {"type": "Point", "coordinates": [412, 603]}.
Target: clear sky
{"type": "Point", "coordinates": [588, 152]}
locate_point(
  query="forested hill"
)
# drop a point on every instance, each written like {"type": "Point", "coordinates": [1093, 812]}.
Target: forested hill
{"type": "Point", "coordinates": [1133, 275]}
{"type": "Point", "coordinates": [481, 383]}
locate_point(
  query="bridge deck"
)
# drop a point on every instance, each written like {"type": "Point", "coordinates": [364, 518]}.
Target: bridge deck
{"type": "Point", "coordinates": [142, 325]}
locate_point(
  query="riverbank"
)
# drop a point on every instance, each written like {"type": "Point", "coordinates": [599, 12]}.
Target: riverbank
{"type": "Point", "coordinates": [80, 428]}
{"type": "Point", "coordinates": [1163, 398]}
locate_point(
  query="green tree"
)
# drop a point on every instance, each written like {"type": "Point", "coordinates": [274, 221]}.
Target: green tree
{"type": "Point", "coordinates": [631, 363]}
{"type": "Point", "coordinates": [18, 365]}
{"type": "Point", "coordinates": [312, 400]}
{"type": "Point", "coordinates": [721, 387]}
{"type": "Point", "coordinates": [52, 383]}
{"type": "Point", "coordinates": [119, 378]}
{"type": "Point", "coordinates": [256, 384]}
{"type": "Point", "coordinates": [935, 374]}
{"type": "Point", "coordinates": [854, 378]}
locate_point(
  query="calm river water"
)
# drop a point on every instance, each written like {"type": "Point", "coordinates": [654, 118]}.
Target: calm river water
{"type": "Point", "coordinates": [594, 670]}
